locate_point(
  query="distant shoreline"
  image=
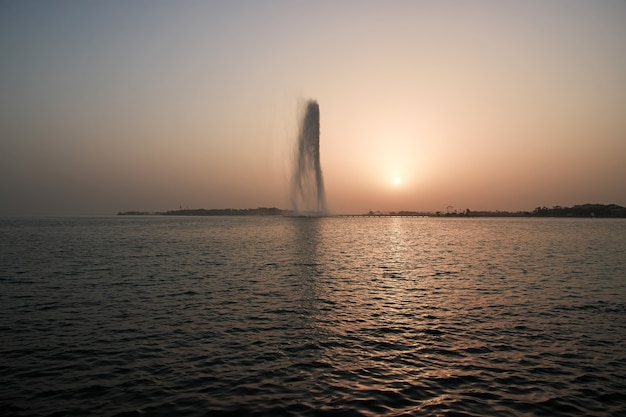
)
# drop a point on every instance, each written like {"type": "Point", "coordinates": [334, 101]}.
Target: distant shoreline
{"type": "Point", "coordinates": [259, 211]}
{"type": "Point", "coordinates": [583, 210]}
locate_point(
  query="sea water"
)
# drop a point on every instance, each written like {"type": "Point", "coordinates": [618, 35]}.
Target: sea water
{"type": "Point", "coordinates": [273, 315]}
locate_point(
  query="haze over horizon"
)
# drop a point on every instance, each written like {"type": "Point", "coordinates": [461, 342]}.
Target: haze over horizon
{"type": "Point", "coordinates": [153, 105]}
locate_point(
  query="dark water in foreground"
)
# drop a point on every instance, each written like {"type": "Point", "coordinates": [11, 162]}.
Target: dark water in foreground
{"type": "Point", "coordinates": [304, 316]}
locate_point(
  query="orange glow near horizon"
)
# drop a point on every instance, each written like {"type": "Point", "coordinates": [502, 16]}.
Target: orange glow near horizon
{"type": "Point", "coordinates": [488, 106]}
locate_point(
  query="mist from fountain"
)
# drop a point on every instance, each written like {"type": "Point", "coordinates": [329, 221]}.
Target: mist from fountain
{"type": "Point", "coordinates": [307, 191]}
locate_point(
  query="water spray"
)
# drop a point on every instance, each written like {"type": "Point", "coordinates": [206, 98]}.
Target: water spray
{"type": "Point", "coordinates": [307, 191]}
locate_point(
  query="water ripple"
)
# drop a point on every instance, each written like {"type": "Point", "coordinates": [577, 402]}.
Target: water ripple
{"type": "Point", "coordinates": [312, 317]}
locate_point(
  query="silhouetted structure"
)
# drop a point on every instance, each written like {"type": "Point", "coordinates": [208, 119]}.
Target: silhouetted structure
{"type": "Point", "coordinates": [583, 210]}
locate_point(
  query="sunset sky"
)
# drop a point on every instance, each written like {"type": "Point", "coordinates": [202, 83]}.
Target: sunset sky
{"type": "Point", "coordinates": [152, 105]}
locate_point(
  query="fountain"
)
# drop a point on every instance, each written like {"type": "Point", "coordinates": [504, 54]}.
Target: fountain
{"type": "Point", "coordinates": [307, 189]}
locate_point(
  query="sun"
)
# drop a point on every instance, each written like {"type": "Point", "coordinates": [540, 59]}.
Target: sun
{"type": "Point", "coordinates": [396, 181]}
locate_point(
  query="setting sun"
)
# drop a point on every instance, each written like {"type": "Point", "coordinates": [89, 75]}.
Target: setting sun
{"type": "Point", "coordinates": [396, 181]}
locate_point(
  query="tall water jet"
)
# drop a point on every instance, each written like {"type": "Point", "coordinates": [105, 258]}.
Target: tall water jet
{"type": "Point", "coordinates": [307, 190]}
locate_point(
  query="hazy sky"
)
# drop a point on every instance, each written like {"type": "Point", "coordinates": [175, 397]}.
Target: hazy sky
{"type": "Point", "coordinates": [150, 105]}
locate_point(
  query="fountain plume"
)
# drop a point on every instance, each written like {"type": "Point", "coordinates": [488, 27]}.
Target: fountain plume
{"type": "Point", "coordinates": [307, 191]}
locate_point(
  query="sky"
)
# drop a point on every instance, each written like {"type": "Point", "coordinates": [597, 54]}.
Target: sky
{"type": "Point", "coordinates": [155, 105]}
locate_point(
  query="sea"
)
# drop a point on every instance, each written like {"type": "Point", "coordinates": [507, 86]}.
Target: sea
{"type": "Point", "coordinates": [292, 316]}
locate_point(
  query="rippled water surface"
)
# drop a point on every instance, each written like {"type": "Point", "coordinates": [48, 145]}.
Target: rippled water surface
{"type": "Point", "coordinates": [312, 316]}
